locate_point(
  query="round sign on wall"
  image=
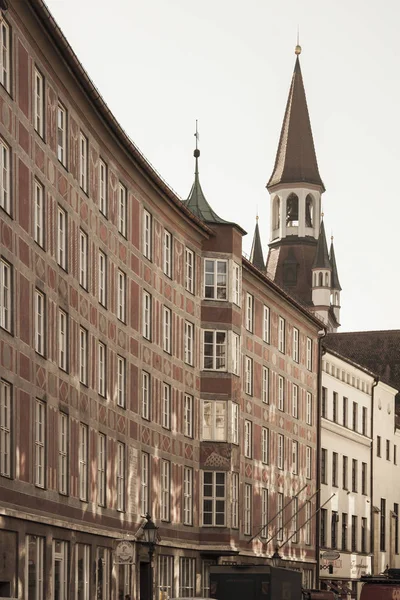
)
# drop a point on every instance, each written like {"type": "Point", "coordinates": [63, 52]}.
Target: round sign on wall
{"type": "Point", "coordinates": [330, 555]}
{"type": "Point", "coordinates": [124, 553]}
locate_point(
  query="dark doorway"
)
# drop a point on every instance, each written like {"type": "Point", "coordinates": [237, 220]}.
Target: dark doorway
{"type": "Point", "coordinates": [144, 580]}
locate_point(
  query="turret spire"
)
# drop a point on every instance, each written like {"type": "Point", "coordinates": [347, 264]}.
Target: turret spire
{"type": "Point", "coordinates": [335, 276]}
{"type": "Point", "coordinates": [321, 260]}
{"type": "Point", "coordinates": [256, 254]}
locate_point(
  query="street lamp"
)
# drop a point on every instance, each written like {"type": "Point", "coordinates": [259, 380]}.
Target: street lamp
{"type": "Point", "coordinates": [276, 558]}
{"type": "Point", "coordinates": [150, 539]}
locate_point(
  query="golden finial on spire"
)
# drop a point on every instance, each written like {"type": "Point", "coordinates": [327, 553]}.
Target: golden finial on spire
{"type": "Point", "coordinates": [297, 50]}
{"type": "Point", "coordinates": [322, 215]}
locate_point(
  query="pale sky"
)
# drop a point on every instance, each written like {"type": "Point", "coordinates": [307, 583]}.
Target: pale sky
{"type": "Point", "coordinates": [162, 64]}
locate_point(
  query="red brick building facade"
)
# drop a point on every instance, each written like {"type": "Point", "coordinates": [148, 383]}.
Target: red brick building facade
{"type": "Point", "coordinates": [145, 365]}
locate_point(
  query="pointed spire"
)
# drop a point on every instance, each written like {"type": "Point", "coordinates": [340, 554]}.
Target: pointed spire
{"type": "Point", "coordinates": [335, 276]}
{"type": "Point", "coordinates": [256, 254]}
{"type": "Point", "coordinates": [321, 260]}
{"type": "Point", "coordinates": [296, 161]}
{"type": "Point", "coordinates": [196, 201]}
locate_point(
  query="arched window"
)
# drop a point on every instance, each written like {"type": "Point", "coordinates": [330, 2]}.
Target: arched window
{"type": "Point", "coordinates": [309, 211]}
{"type": "Point", "coordinates": [336, 299]}
{"type": "Point", "coordinates": [276, 213]}
{"type": "Point", "coordinates": [327, 279]}
{"type": "Point", "coordinates": [321, 280]}
{"type": "Point", "coordinates": [292, 210]}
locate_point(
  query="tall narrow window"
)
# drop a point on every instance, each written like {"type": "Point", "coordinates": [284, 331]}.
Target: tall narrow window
{"type": "Point", "coordinates": [102, 368]}
{"type": "Point", "coordinates": [39, 213]}
{"type": "Point", "coordinates": [248, 439]}
{"type": "Point", "coordinates": [295, 457]}
{"type": "Point", "coordinates": [235, 500]}
{"type": "Point", "coordinates": [265, 445]}
{"type": "Point", "coordinates": [83, 259]}
{"type": "Point", "coordinates": [345, 409]}
{"type": "Point", "coordinates": [248, 375]}
{"type": "Point", "coordinates": [166, 406]}
{"type": "Point", "coordinates": [167, 326]}
{"type": "Point", "coordinates": [334, 469]}
{"type": "Point", "coordinates": [214, 498]}
{"type": "Point", "coordinates": [281, 457]}
{"type": "Point", "coordinates": [335, 407]}
{"type": "Point", "coordinates": [265, 385]}
{"type": "Point", "coordinates": [364, 478]}
{"type": "Point", "coordinates": [102, 274]}
{"type": "Point", "coordinates": [309, 354]}
{"type": "Point", "coordinates": [364, 528]}
{"type": "Point", "coordinates": [215, 279]}
{"type": "Point", "coordinates": [308, 462]}
{"type": "Point", "coordinates": [266, 325]}
{"type": "Point", "coordinates": [355, 416]}
{"type": "Point", "coordinates": [308, 523]}
{"type": "Point", "coordinates": [235, 423]}
{"type": "Point", "coordinates": [264, 512]}
{"type": "Point", "coordinates": [189, 343]}
{"type": "Point", "coordinates": [120, 476]}
{"type": "Point", "coordinates": [345, 472]}
{"type": "Point", "coordinates": [147, 234]}
{"type": "Point", "coordinates": [236, 280]}
{"type": "Point", "coordinates": [121, 378]}
{"type": "Point", "coordinates": [295, 519]}
{"type": "Point", "coordinates": [247, 508]}
{"type": "Point", "coordinates": [334, 525]}
{"type": "Point", "coordinates": [188, 415]}
{"type": "Point", "coordinates": [364, 421]}
{"type": "Point", "coordinates": [101, 469]}
{"type": "Point", "coordinates": [83, 141]}
{"type": "Point", "coordinates": [39, 322]}
{"type": "Point", "coordinates": [167, 253]}
{"type": "Point", "coordinates": [121, 295]}
{"type": "Point", "coordinates": [62, 340]}
{"type": "Point", "coordinates": [396, 527]}
{"type": "Point", "coordinates": [295, 401]}
{"type": "Point", "coordinates": [62, 134]}
{"type": "Point", "coordinates": [82, 572]}
{"type": "Point", "coordinates": [103, 184]}
{"type": "Point", "coordinates": [354, 476]}
{"type": "Point", "coordinates": [281, 335]}
{"type": "Point", "coordinates": [295, 347]}
{"type": "Point", "coordinates": [249, 312]}
{"type": "Point", "coordinates": [144, 483]}
{"type": "Point", "coordinates": [187, 577]}
{"type": "Point", "coordinates": [281, 393]}
{"type": "Point", "coordinates": [165, 490]}
{"type": "Point", "coordinates": [324, 403]}
{"type": "Point", "coordinates": [324, 525]}
{"type": "Point", "coordinates": [83, 462]}
{"type": "Point", "coordinates": [235, 353]}
{"type": "Point", "coordinates": [145, 395]}
{"type": "Point", "coordinates": [40, 441]}
{"type": "Point", "coordinates": [146, 315]}
{"type": "Point", "coordinates": [62, 238]}
{"type": "Point", "coordinates": [214, 353]}
{"type": "Point", "coordinates": [122, 209]}
{"type": "Point", "coordinates": [187, 496]}
{"type": "Point", "coordinates": [378, 446]}
{"type": "Point", "coordinates": [63, 453]}
{"type": "Point", "coordinates": [5, 55]}
{"type": "Point", "coordinates": [309, 408]}
{"type": "Point", "coordinates": [83, 355]}
{"type": "Point", "coordinates": [344, 531]}
{"type": "Point", "coordinates": [324, 475]}
{"type": "Point", "coordinates": [5, 179]}
{"type": "Point", "coordinates": [383, 526]}
{"type": "Point", "coordinates": [189, 272]}
{"type": "Point", "coordinates": [214, 420]}
{"type": "Point", "coordinates": [35, 560]}
{"type": "Point", "coordinates": [354, 533]}
{"type": "Point", "coordinates": [279, 517]}
{"type": "Point", "coordinates": [5, 429]}
{"type": "Point", "coordinates": [5, 295]}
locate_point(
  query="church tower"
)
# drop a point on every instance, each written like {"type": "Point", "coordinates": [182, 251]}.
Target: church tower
{"type": "Point", "coordinates": [298, 255]}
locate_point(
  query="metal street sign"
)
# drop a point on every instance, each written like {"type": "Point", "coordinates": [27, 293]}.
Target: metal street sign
{"type": "Point", "coordinates": [123, 554]}
{"type": "Point", "coordinates": [330, 555]}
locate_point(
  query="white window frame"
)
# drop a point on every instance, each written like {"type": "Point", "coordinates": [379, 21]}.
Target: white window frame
{"type": "Point", "coordinates": [308, 523]}
{"type": "Point", "coordinates": [101, 469]}
{"type": "Point", "coordinates": [82, 570]}
{"type": "Point", "coordinates": [103, 187]}
{"type": "Point", "coordinates": [103, 558]}
{"type": "Point", "coordinates": [5, 295]}
{"type": "Point", "coordinates": [281, 393]}
{"type": "Point", "coordinates": [37, 544]}
{"type": "Point", "coordinates": [120, 476]}
{"type": "Point", "coordinates": [102, 275]}
{"type": "Point", "coordinates": [265, 445]}
{"type": "Point", "coordinates": [216, 484]}
{"type": "Point", "coordinates": [40, 326]}
{"type": "Point", "coordinates": [281, 335]}
{"type": "Point", "coordinates": [235, 423]}
{"type": "Point", "coordinates": [84, 152]}
{"type": "Point", "coordinates": [83, 259]}
{"type": "Point", "coordinates": [144, 483]}
{"type": "Point", "coordinates": [247, 508]}
{"type": "Point", "coordinates": [235, 353]}
{"type": "Point", "coordinates": [214, 420]}
{"type": "Point", "coordinates": [188, 415]}
{"type": "Point", "coordinates": [309, 404]}
{"type": "Point", "coordinates": [146, 309]}
{"type": "Point", "coordinates": [308, 462]}
{"type": "Point", "coordinates": [266, 324]}
{"type": "Point", "coordinates": [295, 519]}
{"type": "Point", "coordinates": [146, 395]}
{"type": "Point", "coordinates": [167, 329]}
{"type": "Point", "coordinates": [5, 47]}
{"type": "Point", "coordinates": [122, 209]}
{"type": "Point", "coordinates": [265, 385]}
{"type": "Point", "coordinates": [63, 442]}
{"type": "Point", "coordinates": [62, 238]}
{"type": "Point", "coordinates": [309, 354]}
{"type": "Point", "coordinates": [39, 212]}
{"type": "Point", "coordinates": [167, 254]}
{"type": "Point", "coordinates": [40, 443]}
{"type": "Point", "coordinates": [5, 174]}
{"type": "Point", "coordinates": [236, 284]}
{"type": "Point", "coordinates": [147, 234]}
{"type": "Point", "coordinates": [121, 296]}
{"type": "Point", "coordinates": [249, 312]}
{"type": "Point", "coordinates": [264, 512]}
{"type": "Point", "coordinates": [295, 401]}
{"type": "Point", "coordinates": [121, 381]}
{"type": "Point", "coordinates": [62, 124]}
{"type": "Point", "coordinates": [165, 490]}
{"type": "Point", "coordinates": [215, 281]}
{"type": "Point", "coordinates": [281, 451]}
{"type": "Point", "coordinates": [295, 457]}
{"type": "Point", "coordinates": [189, 343]}
{"type": "Point", "coordinates": [279, 518]}
{"type": "Point", "coordinates": [83, 355]}
{"type": "Point", "coordinates": [166, 406]}
{"type": "Point", "coordinates": [187, 496]}
{"type": "Point", "coordinates": [187, 577]}
{"type": "Point", "coordinates": [165, 573]}
{"type": "Point", "coordinates": [248, 375]}
{"type": "Point", "coordinates": [83, 461]}
{"type": "Point", "coordinates": [295, 348]}
{"type": "Point", "coordinates": [248, 438]}
{"type": "Point", "coordinates": [102, 369]}
{"type": "Point", "coordinates": [235, 501]}
{"type": "Point", "coordinates": [215, 346]}
{"type": "Point", "coordinates": [5, 428]}
{"type": "Point", "coordinates": [62, 340]}
{"type": "Point", "coordinates": [189, 270]}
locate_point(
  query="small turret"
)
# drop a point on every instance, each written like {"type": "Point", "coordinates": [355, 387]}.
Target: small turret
{"type": "Point", "coordinates": [321, 276]}
{"type": "Point", "coordinates": [256, 254]}
{"type": "Point", "coordinates": [335, 285]}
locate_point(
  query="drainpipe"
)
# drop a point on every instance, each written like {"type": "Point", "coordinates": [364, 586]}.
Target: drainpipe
{"type": "Point", "coordinates": [321, 351]}
{"type": "Point", "coordinates": [372, 517]}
